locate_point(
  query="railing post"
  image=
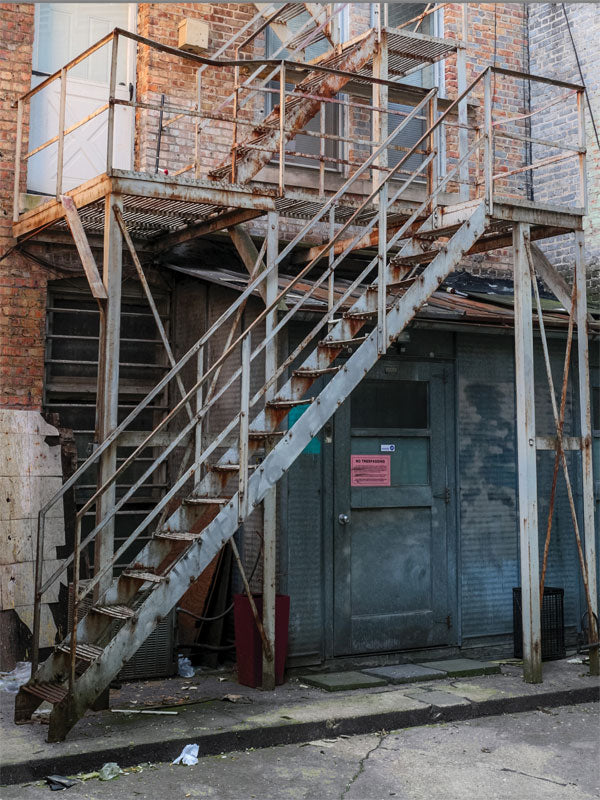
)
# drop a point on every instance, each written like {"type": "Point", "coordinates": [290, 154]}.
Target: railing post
{"type": "Point", "coordinates": [199, 401]}
{"type": "Point", "coordinates": [488, 141]}
{"type": "Point", "coordinates": [110, 140]}
{"type": "Point", "coordinates": [382, 271]}
{"type": "Point", "coordinates": [463, 133]}
{"type": "Point", "coordinates": [198, 124]}
{"type": "Point", "coordinates": [281, 128]}
{"type": "Point", "coordinates": [234, 133]}
{"type": "Point", "coordinates": [583, 195]}
{"type": "Point", "coordinates": [585, 425]}
{"type": "Point", "coordinates": [75, 596]}
{"type": "Point", "coordinates": [61, 133]}
{"type": "Point", "coordinates": [37, 604]}
{"type": "Point", "coordinates": [244, 426]}
{"type": "Point", "coordinates": [526, 449]}
{"type": "Point", "coordinates": [108, 382]}
{"type": "Point", "coordinates": [431, 147]}
{"type": "Point", "coordinates": [17, 179]}
{"type": "Point", "coordinates": [270, 499]}
{"type": "Point", "coordinates": [331, 260]}
{"type": "Point", "coordinates": [322, 131]}
{"type": "Point", "coordinates": [380, 100]}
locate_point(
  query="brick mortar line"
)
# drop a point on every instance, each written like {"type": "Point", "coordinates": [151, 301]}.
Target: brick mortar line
{"type": "Point", "coordinates": [262, 737]}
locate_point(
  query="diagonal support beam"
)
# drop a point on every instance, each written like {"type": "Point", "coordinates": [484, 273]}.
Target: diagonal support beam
{"type": "Point", "coordinates": [196, 231]}
{"type": "Point", "coordinates": [83, 248]}
{"type": "Point", "coordinates": [248, 253]}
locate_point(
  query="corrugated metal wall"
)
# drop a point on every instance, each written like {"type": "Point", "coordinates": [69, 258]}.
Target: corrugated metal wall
{"type": "Point", "coordinates": [488, 561]}
{"type": "Point", "coordinates": [488, 525]}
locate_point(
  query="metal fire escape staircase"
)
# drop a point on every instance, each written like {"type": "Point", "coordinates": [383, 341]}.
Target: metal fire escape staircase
{"type": "Point", "coordinates": [82, 667]}
{"type": "Point", "coordinates": [394, 285]}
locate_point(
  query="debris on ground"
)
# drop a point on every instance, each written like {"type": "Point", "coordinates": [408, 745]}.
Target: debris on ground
{"type": "Point", "coordinates": [188, 756]}
{"type": "Point", "coordinates": [59, 782]}
{"type": "Point", "coordinates": [109, 771]}
{"type": "Point", "coordinates": [184, 668]}
{"type": "Point", "coordinates": [236, 698]}
{"type": "Point", "coordinates": [12, 681]}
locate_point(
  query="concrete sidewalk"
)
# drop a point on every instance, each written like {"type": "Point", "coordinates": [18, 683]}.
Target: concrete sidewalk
{"type": "Point", "coordinates": [219, 715]}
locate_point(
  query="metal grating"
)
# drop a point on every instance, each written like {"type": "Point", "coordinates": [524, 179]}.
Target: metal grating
{"type": "Point", "coordinates": [409, 50]}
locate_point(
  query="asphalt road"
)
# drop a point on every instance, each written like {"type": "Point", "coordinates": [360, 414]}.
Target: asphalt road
{"type": "Point", "coordinates": [540, 755]}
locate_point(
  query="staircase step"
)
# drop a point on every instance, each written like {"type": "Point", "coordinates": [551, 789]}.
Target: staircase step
{"type": "Point", "coordinates": [52, 692]}
{"type": "Point", "coordinates": [142, 575]}
{"type": "Point", "coordinates": [84, 652]}
{"type": "Point", "coordinates": [263, 434]}
{"type": "Point", "coordinates": [289, 403]}
{"type": "Point", "coordinates": [117, 612]}
{"type": "Point", "coordinates": [364, 314]}
{"type": "Point", "coordinates": [314, 373]}
{"type": "Point", "coordinates": [230, 467]}
{"type": "Point", "coordinates": [338, 344]}
{"type": "Point", "coordinates": [206, 501]}
{"type": "Point", "coordinates": [399, 284]}
{"type": "Point", "coordinates": [177, 536]}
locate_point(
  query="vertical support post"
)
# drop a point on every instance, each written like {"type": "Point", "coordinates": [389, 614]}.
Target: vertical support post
{"type": "Point", "coordinates": [585, 424]}
{"type": "Point", "coordinates": [281, 127]}
{"type": "Point", "coordinates": [488, 143]}
{"type": "Point", "coordinates": [110, 140]}
{"type": "Point", "coordinates": [108, 382]}
{"type": "Point", "coordinates": [270, 500]}
{"type": "Point", "coordinates": [382, 270]}
{"type": "Point", "coordinates": [380, 101]}
{"type": "Point", "coordinates": [463, 133]}
{"type": "Point", "coordinates": [75, 616]}
{"type": "Point", "coordinates": [17, 180]}
{"type": "Point", "coordinates": [37, 607]}
{"type": "Point", "coordinates": [583, 198]}
{"type": "Point", "coordinates": [198, 428]}
{"type": "Point", "coordinates": [244, 425]}
{"type": "Point", "coordinates": [526, 449]}
{"type": "Point", "coordinates": [61, 132]}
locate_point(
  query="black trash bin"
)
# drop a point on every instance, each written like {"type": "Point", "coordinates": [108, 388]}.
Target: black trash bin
{"type": "Point", "coordinates": [553, 624]}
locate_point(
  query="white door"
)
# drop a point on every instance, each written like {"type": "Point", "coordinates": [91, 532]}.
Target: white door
{"type": "Point", "coordinates": [62, 31]}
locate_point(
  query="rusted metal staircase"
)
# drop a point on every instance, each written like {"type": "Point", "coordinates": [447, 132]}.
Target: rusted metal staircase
{"type": "Point", "coordinates": [252, 154]}
{"type": "Point", "coordinates": [184, 543]}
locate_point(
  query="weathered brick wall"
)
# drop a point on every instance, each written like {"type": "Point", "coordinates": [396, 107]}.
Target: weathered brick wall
{"type": "Point", "coordinates": [22, 282]}
{"type": "Point", "coordinates": [552, 54]}
{"type": "Point", "coordinates": [159, 74]}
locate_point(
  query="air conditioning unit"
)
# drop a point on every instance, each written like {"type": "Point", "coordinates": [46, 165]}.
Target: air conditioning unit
{"type": "Point", "coordinates": [154, 659]}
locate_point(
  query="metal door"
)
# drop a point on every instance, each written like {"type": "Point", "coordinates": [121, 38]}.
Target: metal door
{"type": "Point", "coordinates": [393, 508]}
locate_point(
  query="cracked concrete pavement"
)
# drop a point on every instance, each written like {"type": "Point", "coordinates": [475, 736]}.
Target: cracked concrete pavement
{"type": "Point", "coordinates": [546, 754]}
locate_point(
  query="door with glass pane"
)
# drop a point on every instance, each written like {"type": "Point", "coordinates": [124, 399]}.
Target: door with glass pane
{"type": "Point", "coordinates": [62, 31]}
{"type": "Point", "coordinates": [392, 511]}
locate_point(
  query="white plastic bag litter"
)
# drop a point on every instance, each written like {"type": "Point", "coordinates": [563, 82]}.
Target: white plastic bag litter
{"type": "Point", "coordinates": [184, 668]}
{"type": "Point", "coordinates": [109, 771]}
{"type": "Point", "coordinates": [188, 756]}
{"type": "Point", "coordinates": [11, 681]}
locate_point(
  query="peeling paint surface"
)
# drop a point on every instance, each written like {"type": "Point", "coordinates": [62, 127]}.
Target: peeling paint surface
{"type": "Point", "coordinates": [30, 473]}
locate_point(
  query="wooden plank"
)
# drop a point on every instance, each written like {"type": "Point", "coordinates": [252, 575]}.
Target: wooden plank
{"type": "Point", "coordinates": [83, 248]}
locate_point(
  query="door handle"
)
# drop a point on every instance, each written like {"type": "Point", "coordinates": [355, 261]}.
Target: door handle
{"type": "Point", "coordinates": [343, 519]}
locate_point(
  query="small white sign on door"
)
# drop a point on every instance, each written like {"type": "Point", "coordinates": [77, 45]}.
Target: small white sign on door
{"type": "Point", "coordinates": [387, 448]}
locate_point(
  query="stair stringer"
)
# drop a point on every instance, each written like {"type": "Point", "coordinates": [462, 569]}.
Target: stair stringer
{"type": "Point", "coordinates": [193, 561]}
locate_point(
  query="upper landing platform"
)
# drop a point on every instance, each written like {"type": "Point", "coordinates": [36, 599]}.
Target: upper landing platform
{"type": "Point", "coordinates": [162, 211]}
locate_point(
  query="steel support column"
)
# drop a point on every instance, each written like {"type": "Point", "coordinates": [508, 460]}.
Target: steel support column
{"type": "Point", "coordinates": [108, 381]}
{"type": "Point", "coordinates": [585, 423]}
{"type": "Point", "coordinates": [270, 500]}
{"type": "Point", "coordinates": [527, 483]}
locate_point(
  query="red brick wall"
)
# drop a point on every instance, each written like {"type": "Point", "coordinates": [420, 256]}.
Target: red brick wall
{"type": "Point", "coordinates": [22, 282]}
{"type": "Point", "coordinates": [159, 74]}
